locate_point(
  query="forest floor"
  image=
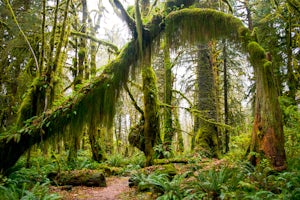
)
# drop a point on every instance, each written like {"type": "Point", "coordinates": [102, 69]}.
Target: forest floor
{"type": "Point", "coordinates": [117, 189]}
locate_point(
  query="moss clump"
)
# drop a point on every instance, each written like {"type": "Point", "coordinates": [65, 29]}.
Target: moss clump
{"type": "Point", "coordinates": [82, 52]}
{"type": "Point", "coordinates": [257, 53]}
{"type": "Point", "coordinates": [136, 136]}
{"type": "Point", "coordinates": [189, 26]}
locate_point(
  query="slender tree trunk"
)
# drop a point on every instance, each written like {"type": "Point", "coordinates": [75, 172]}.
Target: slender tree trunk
{"type": "Point", "coordinates": [42, 51]}
{"type": "Point", "coordinates": [82, 50]}
{"type": "Point", "coordinates": [226, 111]}
{"type": "Point", "coordinates": [180, 145]}
{"type": "Point", "coordinates": [249, 15]}
{"type": "Point", "coordinates": [291, 82]}
{"type": "Point", "coordinates": [168, 127]}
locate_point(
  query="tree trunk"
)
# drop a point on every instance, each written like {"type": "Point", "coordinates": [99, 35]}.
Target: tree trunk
{"type": "Point", "coordinates": [207, 132]}
{"type": "Point", "coordinates": [168, 127]}
{"type": "Point", "coordinates": [291, 81]}
{"type": "Point", "coordinates": [267, 135]}
{"type": "Point", "coordinates": [180, 144]}
{"type": "Point", "coordinates": [151, 126]}
{"type": "Point", "coordinates": [226, 110]}
{"type": "Point", "coordinates": [98, 153]}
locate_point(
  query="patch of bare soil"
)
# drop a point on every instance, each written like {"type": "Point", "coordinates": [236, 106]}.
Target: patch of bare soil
{"type": "Point", "coordinates": [115, 187]}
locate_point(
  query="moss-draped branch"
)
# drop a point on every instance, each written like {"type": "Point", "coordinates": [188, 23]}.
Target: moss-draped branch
{"type": "Point", "coordinates": [113, 47]}
{"type": "Point", "coordinates": [98, 96]}
{"type": "Point", "coordinates": [189, 26]}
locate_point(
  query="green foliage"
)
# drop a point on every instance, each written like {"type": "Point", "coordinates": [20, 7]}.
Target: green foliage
{"type": "Point", "coordinates": [161, 184]}
{"type": "Point", "coordinates": [26, 183]}
{"type": "Point", "coordinates": [161, 152]}
{"type": "Point", "coordinates": [291, 118]}
{"type": "Point", "coordinates": [239, 181]}
{"type": "Point", "coordinates": [213, 183]}
{"type": "Point", "coordinates": [116, 160]}
{"type": "Point", "coordinates": [136, 161]}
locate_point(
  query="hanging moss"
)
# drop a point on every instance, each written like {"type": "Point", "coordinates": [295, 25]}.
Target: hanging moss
{"type": "Point", "coordinates": [75, 113]}
{"type": "Point", "coordinates": [31, 104]}
{"type": "Point", "coordinates": [188, 26]}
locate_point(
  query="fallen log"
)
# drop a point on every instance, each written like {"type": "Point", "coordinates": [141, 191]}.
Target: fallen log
{"type": "Point", "coordinates": [90, 178]}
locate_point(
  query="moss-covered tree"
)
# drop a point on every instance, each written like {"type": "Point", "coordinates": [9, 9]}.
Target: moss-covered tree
{"type": "Point", "coordinates": [206, 132]}
{"type": "Point", "coordinates": [267, 135]}
{"type": "Point", "coordinates": [187, 26]}
{"type": "Point", "coordinates": [168, 86]}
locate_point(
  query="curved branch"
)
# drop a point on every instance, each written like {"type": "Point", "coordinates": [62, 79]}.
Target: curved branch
{"type": "Point", "coordinates": [122, 13]}
{"type": "Point", "coordinates": [101, 42]}
{"type": "Point", "coordinates": [134, 101]}
{"type": "Point", "coordinates": [184, 97]}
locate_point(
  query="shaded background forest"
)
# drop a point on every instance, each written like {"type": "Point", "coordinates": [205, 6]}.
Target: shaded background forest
{"type": "Point", "coordinates": [205, 91]}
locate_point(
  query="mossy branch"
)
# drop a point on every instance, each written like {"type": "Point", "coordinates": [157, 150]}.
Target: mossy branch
{"type": "Point", "coordinates": [122, 13]}
{"type": "Point", "coordinates": [113, 47]}
{"type": "Point", "coordinates": [75, 113]}
{"type": "Point", "coordinates": [199, 115]}
{"type": "Point", "coordinates": [134, 101]}
{"type": "Point", "coordinates": [184, 97]}
{"type": "Point", "coordinates": [189, 26]}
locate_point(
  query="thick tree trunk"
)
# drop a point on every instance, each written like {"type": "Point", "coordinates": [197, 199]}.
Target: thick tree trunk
{"type": "Point", "coordinates": [151, 126]}
{"type": "Point", "coordinates": [97, 151]}
{"type": "Point", "coordinates": [207, 133]}
{"type": "Point", "coordinates": [267, 135]}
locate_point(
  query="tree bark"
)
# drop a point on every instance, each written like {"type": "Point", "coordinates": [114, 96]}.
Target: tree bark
{"type": "Point", "coordinates": [151, 126]}
{"type": "Point", "coordinates": [226, 108]}
{"type": "Point", "coordinates": [206, 134]}
{"type": "Point", "coordinates": [267, 135]}
{"type": "Point", "coordinates": [168, 126]}
{"type": "Point", "coordinates": [88, 178]}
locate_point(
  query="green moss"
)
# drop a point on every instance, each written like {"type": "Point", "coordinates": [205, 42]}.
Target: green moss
{"type": "Point", "coordinates": [82, 52]}
{"type": "Point", "coordinates": [168, 169]}
{"type": "Point", "coordinates": [268, 65]}
{"type": "Point", "coordinates": [257, 53]}
{"type": "Point", "coordinates": [151, 127]}
{"type": "Point", "coordinates": [189, 26]}
{"type": "Point", "coordinates": [31, 104]}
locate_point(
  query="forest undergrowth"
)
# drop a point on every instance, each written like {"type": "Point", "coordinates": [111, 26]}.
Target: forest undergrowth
{"type": "Point", "coordinates": [199, 178]}
{"type": "Point", "coordinates": [188, 175]}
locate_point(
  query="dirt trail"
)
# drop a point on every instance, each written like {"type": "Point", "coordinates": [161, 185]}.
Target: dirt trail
{"type": "Point", "coordinates": [115, 187]}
